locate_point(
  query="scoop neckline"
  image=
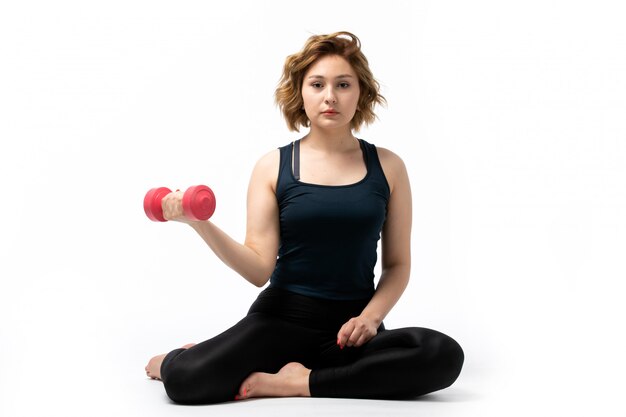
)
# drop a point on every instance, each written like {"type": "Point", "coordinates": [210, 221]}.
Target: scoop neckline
{"type": "Point", "coordinates": [367, 170]}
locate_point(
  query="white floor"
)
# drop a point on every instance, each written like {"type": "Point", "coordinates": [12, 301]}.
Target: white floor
{"type": "Point", "coordinates": [444, 404]}
{"type": "Point", "coordinates": [135, 395]}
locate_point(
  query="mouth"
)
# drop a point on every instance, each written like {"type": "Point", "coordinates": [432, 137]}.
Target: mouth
{"type": "Point", "coordinates": [330, 112]}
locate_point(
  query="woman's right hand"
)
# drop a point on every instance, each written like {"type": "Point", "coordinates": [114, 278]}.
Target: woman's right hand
{"type": "Point", "coordinates": [172, 205]}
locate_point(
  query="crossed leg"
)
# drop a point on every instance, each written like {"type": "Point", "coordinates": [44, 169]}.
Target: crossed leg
{"type": "Point", "coordinates": [398, 363]}
{"type": "Point", "coordinates": [213, 371]}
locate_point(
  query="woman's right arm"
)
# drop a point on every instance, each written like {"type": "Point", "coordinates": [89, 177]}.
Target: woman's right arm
{"type": "Point", "coordinates": [255, 259]}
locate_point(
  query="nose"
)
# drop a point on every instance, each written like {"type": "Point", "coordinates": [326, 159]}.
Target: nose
{"type": "Point", "coordinates": [330, 96]}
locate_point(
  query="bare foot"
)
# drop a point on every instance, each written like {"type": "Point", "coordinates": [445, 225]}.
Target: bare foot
{"type": "Point", "coordinates": [153, 368]}
{"type": "Point", "coordinates": [291, 381]}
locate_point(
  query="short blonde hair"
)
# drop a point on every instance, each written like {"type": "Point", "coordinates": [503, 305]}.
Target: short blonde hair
{"type": "Point", "coordinates": [288, 94]}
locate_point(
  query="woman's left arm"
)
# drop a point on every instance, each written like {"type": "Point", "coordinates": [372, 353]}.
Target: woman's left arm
{"type": "Point", "coordinates": [396, 255]}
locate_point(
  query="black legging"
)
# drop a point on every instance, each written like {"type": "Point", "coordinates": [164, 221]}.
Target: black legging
{"type": "Point", "coordinates": [283, 327]}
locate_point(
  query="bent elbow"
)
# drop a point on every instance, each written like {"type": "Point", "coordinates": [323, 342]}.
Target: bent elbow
{"type": "Point", "coordinates": [259, 283]}
{"type": "Point", "coordinates": [259, 280]}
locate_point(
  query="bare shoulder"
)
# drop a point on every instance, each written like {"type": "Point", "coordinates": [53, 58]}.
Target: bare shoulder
{"type": "Point", "coordinates": [266, 168]}
{"type": "Point", "coordinates": [393, 166]}
{"type": "Point", "coordinates": [269, 161]}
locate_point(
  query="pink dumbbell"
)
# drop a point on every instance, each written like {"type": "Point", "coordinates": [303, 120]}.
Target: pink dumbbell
{"type": "Point", "coordinates": [198, 203]}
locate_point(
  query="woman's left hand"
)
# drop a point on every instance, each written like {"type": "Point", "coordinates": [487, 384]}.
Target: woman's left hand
{"type": "Point", "coordinates": [356, 332]}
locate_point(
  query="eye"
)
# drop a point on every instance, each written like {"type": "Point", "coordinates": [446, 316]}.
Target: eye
{"type": "Point", "coordinates": [344, 85]}
{"type": "Point", "coordinates": [316, 85]}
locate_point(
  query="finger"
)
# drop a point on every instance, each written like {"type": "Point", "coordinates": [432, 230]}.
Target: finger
{"type": "Point", "coordinates": [342, 336]}
{"type": "Point", "coordinates": [172, 206]}
{"type": "Point", "coordinates": [363, 332]}
{"type": "Point", "coordinates": [363, 339]}
{"type": "Point", "coordinates": [360, 329]}
{"type": "Point", "coordinates": [344, 333]}
{"type": "Point", "coordinates": [354, 337]}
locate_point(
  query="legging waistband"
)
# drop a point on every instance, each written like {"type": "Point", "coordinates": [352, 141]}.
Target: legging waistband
{"type": "Point", "coordinates": [316, 313]}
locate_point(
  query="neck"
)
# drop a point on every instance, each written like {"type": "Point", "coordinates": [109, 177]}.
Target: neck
{"type": "Point", "coordinates": [331, 141]}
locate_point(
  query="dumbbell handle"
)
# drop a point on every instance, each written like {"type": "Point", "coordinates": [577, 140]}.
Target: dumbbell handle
{"type": "Point", "coordinates": [198, 203]}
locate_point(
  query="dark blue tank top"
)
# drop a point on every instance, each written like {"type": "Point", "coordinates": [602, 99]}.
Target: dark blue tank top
{"type": "Point", "coordinates": [329, 234]}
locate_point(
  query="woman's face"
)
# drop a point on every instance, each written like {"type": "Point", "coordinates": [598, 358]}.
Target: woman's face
{"type": "Point", "coordinates": [330, 91]}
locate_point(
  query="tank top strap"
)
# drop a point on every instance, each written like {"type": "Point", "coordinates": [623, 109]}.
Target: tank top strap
{"type": "Point", "coordinates": [374, 166]}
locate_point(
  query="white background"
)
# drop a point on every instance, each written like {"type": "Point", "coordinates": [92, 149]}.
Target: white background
{"type": "Point", "coordinates": [508, 115]}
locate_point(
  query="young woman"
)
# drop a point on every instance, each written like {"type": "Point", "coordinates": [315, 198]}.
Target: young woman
{"type": "Point", "coordinates": [315, 212]}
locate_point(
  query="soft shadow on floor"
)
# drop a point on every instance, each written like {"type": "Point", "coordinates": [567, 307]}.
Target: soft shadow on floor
{"type": "Point", "coordinates": [452, 396]}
